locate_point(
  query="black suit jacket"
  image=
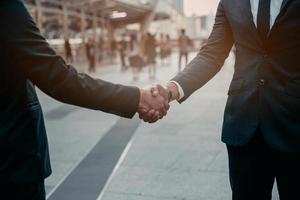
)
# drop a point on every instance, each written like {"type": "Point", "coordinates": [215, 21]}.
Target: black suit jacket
{"type": "Point", "coordinates": [27, 60]}
{"type": "Point", "coordinates": [265, 90]}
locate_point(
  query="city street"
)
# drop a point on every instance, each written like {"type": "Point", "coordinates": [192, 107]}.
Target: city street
{"type": "Point", "coordinates": [181, 157]}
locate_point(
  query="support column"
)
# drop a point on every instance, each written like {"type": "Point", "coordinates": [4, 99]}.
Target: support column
{"type": "Point", "coordinates": [147, 21]}
{"type": "Point", "coordinates": [65, 25]}
{"type": "Point", "coordinates": [65, 20]}
{"type": "Point", "coordinates": [83, 26]}
{"type": "Point", "coordinates": [83, 33]}
{"type": "Point", "coordinates": [39, 15]}
{"type": "Point", "coordinates": [111, 38]}
{"type": "Point", "coordinates": [95, 36]}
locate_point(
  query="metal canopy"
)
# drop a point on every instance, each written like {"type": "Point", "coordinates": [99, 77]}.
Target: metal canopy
{"type": "Point", "coordinates": [135, 9]}
{"type": "Point", "coordinates": [56, 15]}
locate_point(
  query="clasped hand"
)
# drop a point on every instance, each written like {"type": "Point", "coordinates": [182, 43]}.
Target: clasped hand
{"type": "Point", "coordinates": [154, 104]}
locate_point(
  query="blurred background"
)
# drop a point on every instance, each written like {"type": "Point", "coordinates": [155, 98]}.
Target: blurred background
{"type": "Point", "coordinates": [99, 156]}
{"type": "Point", "coordinates": [69, 25]}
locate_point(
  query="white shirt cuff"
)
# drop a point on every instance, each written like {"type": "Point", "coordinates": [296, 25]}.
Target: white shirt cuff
{"type": "Point", "coordinates": [180, 90]}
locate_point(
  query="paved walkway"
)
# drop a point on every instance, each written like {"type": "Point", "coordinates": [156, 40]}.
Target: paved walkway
{"type": "Point", "coordinates": [179, 158]}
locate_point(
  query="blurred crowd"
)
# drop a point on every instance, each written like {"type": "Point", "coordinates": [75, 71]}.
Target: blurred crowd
{"type": "Point", "coordinates": [135, 51]}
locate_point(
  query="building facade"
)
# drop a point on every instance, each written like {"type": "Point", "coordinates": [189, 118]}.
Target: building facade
{"type": "Point", "coordinates": [200, 27]}
{"type": "Point", "coordinates": [179, 5]}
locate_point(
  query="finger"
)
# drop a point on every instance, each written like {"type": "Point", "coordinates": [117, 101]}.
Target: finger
{"type": "Point", "coordinates": [162, 91]}
{"type": "Point", "coordinates": [162, 116]}
{"type": "Point", "coordinates": [162, 111]}
{"type": "Point", "coordinates": [148, 117]}
{"type": "Point", "coordinates": [166, 105]}
{"type": "Point", "coordinates": [143, 116]}
{"type": "Point", "coordinates": [141, 113]}
{"type": "Point", "coordinates": [142, 110]}
{"type": "Point", "coordinates": [154, 120]}
{"type": "Point", "coordinates": [157, 114]}
{"type": "Point", "coordinates": [154, 92]}
{"type": "Point", "coordinates": [155, 117]}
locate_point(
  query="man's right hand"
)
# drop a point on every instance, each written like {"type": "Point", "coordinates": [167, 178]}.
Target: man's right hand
{"type": "Point", "coordinates": [153, 104]}
{"type": "Point", "coordinates": [151, 113]}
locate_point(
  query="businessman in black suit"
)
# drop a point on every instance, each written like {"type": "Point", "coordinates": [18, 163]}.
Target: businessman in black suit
{"type": "Point", "coordinates": [262, 116]}
{"type": "Point", "coordinates": [27, 60]}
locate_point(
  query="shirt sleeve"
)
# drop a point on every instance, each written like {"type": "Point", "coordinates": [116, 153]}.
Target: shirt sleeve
{"type": "Point", "coordinates": [180, 90]}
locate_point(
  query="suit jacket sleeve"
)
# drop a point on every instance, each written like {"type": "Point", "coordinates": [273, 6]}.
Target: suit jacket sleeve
{"type": "Point", "coordinates": [35, 59]}
{"type": "Point", "coordinates": [210, 59]}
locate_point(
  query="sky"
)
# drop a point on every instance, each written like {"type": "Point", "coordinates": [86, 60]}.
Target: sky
{"type": "Point", "coordinates": [200, 7]}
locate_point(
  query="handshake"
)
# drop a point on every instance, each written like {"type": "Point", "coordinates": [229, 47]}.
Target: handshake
{"type": "Point", "coordinates": [154, 102]}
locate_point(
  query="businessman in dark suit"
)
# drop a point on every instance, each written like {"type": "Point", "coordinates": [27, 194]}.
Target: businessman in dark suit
{"type": "Point", "coordinates": [262, 116]}
{"type": "Point", "coordinates": [27, 60]}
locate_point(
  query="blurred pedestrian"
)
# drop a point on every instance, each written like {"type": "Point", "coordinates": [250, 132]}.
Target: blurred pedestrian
{"type": "Point", "coordinates": [162, 49]}
{"type": "Point", "coordinates": [90, 54]}
{"type": "Point", "coordinates": [168, 48]}
{"type": "Point", "coordinates": [122, 52]}
{"type": "Point", "coordinates": [150, 54]}
{"type": "Point", "coordinates": [134, 56]}
{"type": "Point", "coordinates": [101, 45]}
{"type": "Point", "coordinates": [68, 51]}
{"type": "Point", "coordinates": [184, 43]}
{"type": "Point", "coordinates": [143, 43]}
{"type": "Point", "coordinates": [113, 48]}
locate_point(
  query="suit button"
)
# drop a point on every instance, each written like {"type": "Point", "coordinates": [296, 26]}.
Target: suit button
{"type": "Point", "coordinates": [262, 82]}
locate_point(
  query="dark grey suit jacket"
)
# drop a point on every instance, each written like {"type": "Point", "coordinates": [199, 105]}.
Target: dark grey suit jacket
{"type": "Point", "coordinates": [265, 90]}
{"type": "Point", "coordinates": [27, 60]}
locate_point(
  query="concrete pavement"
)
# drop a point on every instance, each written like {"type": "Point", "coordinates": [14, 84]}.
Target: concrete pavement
{"type": "Point", "coordinates": [180, 157]}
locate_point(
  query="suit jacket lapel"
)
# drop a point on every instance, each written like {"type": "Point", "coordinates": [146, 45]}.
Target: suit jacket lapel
{"type": "Point", "coordinates": [284, 5]}
{"type": "Point", "coordinates": [245, 7]}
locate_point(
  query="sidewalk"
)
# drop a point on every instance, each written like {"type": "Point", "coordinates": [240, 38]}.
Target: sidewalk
{"type": "Point", "coordinates": [182, 156]}
{"type": "Point", "coordinates": [179, 158]}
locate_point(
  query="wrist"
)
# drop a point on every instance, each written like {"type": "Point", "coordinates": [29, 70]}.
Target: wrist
{"type": "Point", "coordinates": [173, 90]}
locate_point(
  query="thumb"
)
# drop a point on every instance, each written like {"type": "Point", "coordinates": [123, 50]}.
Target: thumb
{"type": "Point", "coordinates": [154, 92]}
{"type": "Point", "coordinates": [162, 91]}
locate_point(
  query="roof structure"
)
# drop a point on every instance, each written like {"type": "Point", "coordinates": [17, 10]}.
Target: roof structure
{"type": "Point", "coordinates": [116, 11]}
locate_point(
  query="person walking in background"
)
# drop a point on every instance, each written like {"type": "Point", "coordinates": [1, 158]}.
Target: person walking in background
{"type": "Point", "coordinates": [150, 54]}
{"type": "Point", "coordinates": [162, 49]}
{"type": "Point", "coordinates": [168, 48]}
{"type": "Point", "coordinates": [134, 57]}
{"type": "Point", "coordinates": [122, 51]}
{"type": "Point", "coordinates": [113, 48]}
{"type": "Point", "coordinates": [101, 50]}
{"type": "Point", "coordinates": [68, 51]}
{"type": "Point", "coordinates": [184, 44]}
{"type": "Point", "coordinates": [143, 44]}
{"type": "Point", "coordinates": [90, 54]}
